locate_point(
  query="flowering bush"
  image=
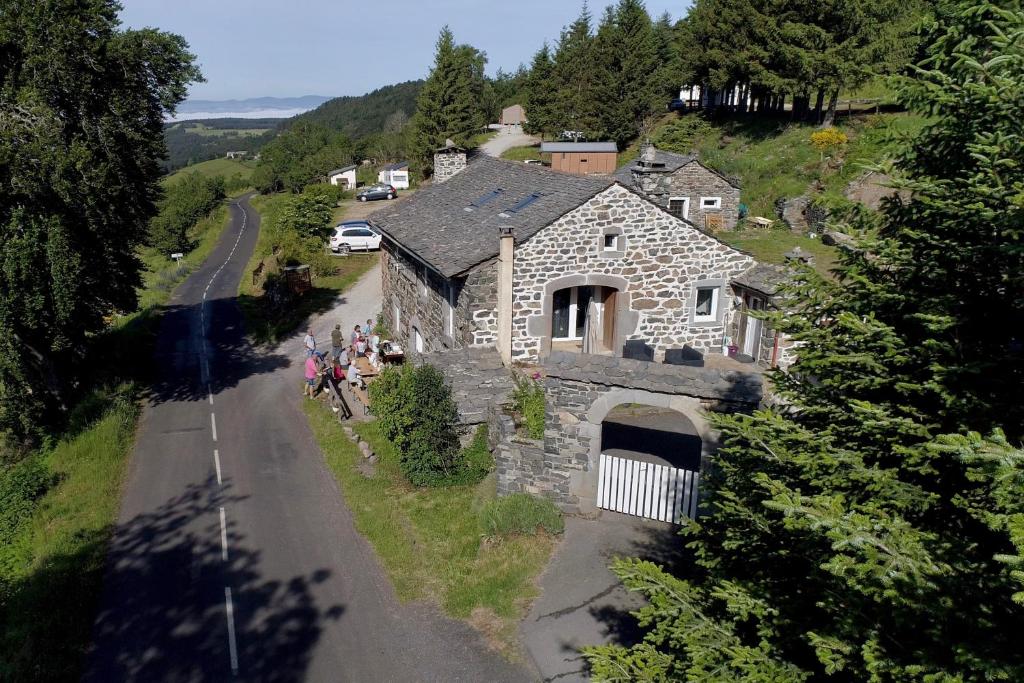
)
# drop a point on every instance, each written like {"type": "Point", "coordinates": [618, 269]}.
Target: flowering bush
{"type": "Point", "coordinates": [829, 138]}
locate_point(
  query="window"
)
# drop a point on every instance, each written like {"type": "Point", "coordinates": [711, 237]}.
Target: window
{"type": "Point", "coordinates": [569, 311]}
{"type": "Point", "coordinates": [424, 287]}
{"type": "Point", "coordinates": [449, 310]}
{"type": "Point", "coordinates": [398, 317]}
{"type": "Point", "coordinates": [711, 202]}
{"type": "Point", "coordinates": [524, 202]}
{"type": "Point", "coordinates": [489, 197]}
{"type": "Point", "coordinates": [679, 206]}
{"type": "Point", "coordinates": [705, 308]}
{"type": "Point", "coordinates": [609, 242]}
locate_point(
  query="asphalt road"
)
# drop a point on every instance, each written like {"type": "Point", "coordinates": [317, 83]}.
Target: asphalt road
{"type": "Point", "coordinates": [234, 556]}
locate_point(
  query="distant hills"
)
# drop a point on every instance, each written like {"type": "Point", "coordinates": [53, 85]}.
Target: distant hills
{"type": "Point", "coordinates": [251, 108]}
{"type": "Point", "coordinates": [363, 115]}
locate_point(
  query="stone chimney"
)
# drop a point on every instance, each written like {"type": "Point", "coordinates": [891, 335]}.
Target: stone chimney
{"type": "Point", "coordinates": [506, 254]}
{"type": "Point", "coordinates": [650, 177]}
{"type": "Point", "coordinates": [448, 161]}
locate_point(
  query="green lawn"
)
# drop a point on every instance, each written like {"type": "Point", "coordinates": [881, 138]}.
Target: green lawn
{"type": "Point", "coordinates": [215, 167]}
{"type": "Point", "coordinates": [524, 153]}
{"type": "Point", "coordinates": [207, 131]}
{"type": "Point", "coordinates": [429, 539]}
{"type": "Point", "coordinates": [51, 572]}
{"type": "Point", "coordinates": [771, 246]}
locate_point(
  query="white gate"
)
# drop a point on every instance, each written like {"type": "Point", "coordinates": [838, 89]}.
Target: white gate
{"type": "Point", "coordinates": [647, 490]}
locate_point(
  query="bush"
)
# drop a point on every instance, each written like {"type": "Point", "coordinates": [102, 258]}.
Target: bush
{"type": "Point", "coordinates": [829, 138]}
{"type": "Point", "coordinates": [476, 458]}
{"type": "Point", "coordinates": [520, 513]}
{"type": "Point", "coordinates": [418, 415]}
{"type": "Point", "coordinates": [528, 400]}
{"type": "Point", "coordinates": [681, 135]}
{"type": "Point", "coordinates": [21, 486]}
{"type": "Point", "coordinates": [185, 202]}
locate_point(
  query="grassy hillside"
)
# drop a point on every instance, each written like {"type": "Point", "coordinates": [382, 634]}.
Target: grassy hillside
{"type": "Point", "coordinates": [363, 115]}
{"type": "Point", "coordinates": [215, 167]}
{"type": "Point", "coordinates": [192, 142]}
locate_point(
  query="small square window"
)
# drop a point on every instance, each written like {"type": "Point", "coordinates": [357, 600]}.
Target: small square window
{"type": "Point", "coordinates": [710, 202]}
{"type": "Point", "coordinates": [706, 304]}
{"type": "Point", "coordinates": [610, 242]}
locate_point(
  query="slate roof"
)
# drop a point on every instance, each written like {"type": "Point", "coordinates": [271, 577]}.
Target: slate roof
{"type": "Point", "coordinates": [341, 170]}
{"type": "Point", "coordinates": [440, 225]}
{"type": "Point", "coordinates": [763, 277]}
{"type": "Point", "coordinates": [396, 167]}
{"type": "Point", "coordinates": [670, 162]}
{"type": "Point", "coordinates": [578, 147]}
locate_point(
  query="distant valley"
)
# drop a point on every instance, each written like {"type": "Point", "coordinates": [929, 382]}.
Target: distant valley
{"type": "Point", "coordinates": [251, 108]}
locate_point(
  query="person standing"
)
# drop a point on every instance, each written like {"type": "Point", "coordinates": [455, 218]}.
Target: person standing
{"type": "Point", "coordinates": [309, 343]}
{"type": "Point", "coordinates": [337, 341]}
{"type": "Point", "coordinates": [368, 328]}
{"type": "Point", "coordinates": [355, 335]}
{"type": "Point", "coordinates": [311, 376]}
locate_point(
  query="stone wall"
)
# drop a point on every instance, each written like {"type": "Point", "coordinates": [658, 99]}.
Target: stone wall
{"type": "Point", "coordinates": [475, 297]}
{"type": "Point", "coordinates": [447, 164]}
{"type": "Point", "coordinates": [694, 181]}
{"type": "Point", "coordinates": [655, 266]}
{"type": "Point", "coordinates": [580, 390]}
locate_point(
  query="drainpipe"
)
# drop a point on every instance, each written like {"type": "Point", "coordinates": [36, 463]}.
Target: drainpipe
{"type": "Point", "coordinates": [506, 252]}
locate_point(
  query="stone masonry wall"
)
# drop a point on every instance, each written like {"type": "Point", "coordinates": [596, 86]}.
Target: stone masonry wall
{"type": "Point", "coordinates": [447, 164]}
{"type": "Point", "coordinates": [574, 385]}
{"type": "Point", "coordinates": [475, 303]}
{"type": "Point", "coordinates": [660, 258]}
{"type": "Point", "coordinates": [694, 181]}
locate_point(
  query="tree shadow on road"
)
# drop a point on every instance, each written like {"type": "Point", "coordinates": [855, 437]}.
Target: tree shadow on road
{"type": "Point", "coordinates": [163, 615]}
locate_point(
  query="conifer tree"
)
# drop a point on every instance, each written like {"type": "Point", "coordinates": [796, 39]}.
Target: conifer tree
{"type": "Point", "coordinates": [542, 94]}
{"type": "Point", "coordinates": [577, 101]}
{"type": "Point", "coordinates": [451, 103]}
{"type": "Point", "coordinates": [865, 530]}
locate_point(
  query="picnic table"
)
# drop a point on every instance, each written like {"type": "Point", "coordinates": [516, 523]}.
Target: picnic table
{"type": "Point", "coordinates": [366, 368]}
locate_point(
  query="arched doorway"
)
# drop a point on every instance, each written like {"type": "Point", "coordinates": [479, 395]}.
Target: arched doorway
{"type": "Point", "coordinates": [646, 453]}
{"type": "Point", "coordinates": [584, 313]}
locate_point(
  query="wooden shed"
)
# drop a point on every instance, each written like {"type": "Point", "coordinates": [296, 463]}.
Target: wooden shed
{"type": "Point", "coordinates": [582, 158]}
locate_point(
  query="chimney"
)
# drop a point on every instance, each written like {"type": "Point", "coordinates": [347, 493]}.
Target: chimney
{"type": "Point", "coordinates": [448, 161]}
{"type": "Point", "coordinates": [506, 253]}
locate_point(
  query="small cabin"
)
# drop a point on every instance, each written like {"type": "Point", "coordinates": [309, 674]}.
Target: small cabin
{"type": "Point", "coordinates": [344, 177]}
{"type": "Point", "coordinates": [582, 158]}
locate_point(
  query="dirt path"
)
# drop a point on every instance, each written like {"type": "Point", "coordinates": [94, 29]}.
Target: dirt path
{"type": "Point", "coordinates": [507, 138]}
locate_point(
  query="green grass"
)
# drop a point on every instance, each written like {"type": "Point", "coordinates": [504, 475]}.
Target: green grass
{"type": "Point", "coordinates": [770, 246]}
{"type": "Point", "coordinates": [51, 572]}
{"type": "Point", "coordinates": [207, 131]}
{"type": "Point", "coordinates": [429, 539]}
{"type": "Point", "coordinates": [524, 153]}
{"type": "Point", "coordinates": [215, 167]}
{"type": "Point", "coordinates": [480, 138]}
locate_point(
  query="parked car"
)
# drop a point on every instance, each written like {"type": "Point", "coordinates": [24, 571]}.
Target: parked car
{"type": "Point", "coordinates": [534, 162]}
{"type": "Point", "coordinates": [354, 236]}
{"type": "Point", "coordinates": [677, 105]}
{"type": "Point", "coordinates": [573, 135]}
{"type": "Point", "coordinates": [378, 191]}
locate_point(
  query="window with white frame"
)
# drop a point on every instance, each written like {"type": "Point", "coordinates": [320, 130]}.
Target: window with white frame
{"type": "Point", "coordinates": [711, 202]}
{"type": "Point", "coordinates": [705, 303]}
{"type": "Point", "coordinates": [611, 243]}
{"type": "Point", "coordinates": [569, 311]}
{"type": "Point", "coordinates": [679, 206]}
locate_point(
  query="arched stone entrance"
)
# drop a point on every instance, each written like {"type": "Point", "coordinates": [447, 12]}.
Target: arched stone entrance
{"type": "Point", "coordinates": [584, 485]}
{"type": "Point", "coordinates": [581, 390]}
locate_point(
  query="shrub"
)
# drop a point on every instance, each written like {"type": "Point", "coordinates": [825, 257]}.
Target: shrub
{"type": "Point", "coordinates": [477, 460]}
{"type": "Point", "coordinates": [520, 513]}
{"type": "Point", "coordinates": [681, 135]}
{"type": "Point", "coordinates": [21, 486]}
{"type": "Point", "coordinates": [417, 414]}
{"type": "Point", "coordinates": [528, 400]}
{"type": "Point", "coordinates": [185, 203]}
{"type": "Point", "coordinates": [827, 139]}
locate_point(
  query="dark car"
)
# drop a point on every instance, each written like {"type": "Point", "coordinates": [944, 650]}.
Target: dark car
{"type": "Point", "coordinates": [379, 191]}
{"type": "Point", "coordinates": [677, 105]}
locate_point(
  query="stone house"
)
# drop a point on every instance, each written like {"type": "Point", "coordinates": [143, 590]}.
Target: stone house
{"type": "Point", "coordinates": [530, 261]}
{"type": "Point", "coordinates": [685, 187]}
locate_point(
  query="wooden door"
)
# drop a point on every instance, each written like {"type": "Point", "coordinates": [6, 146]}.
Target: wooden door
{"type": "Point", "coordinates": [608, 334]}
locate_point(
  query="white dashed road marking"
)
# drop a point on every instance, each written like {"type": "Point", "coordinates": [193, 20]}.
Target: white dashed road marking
{"type": "Point", "coordinates": [232, 646]}
{"type": "Point", "coordinates": [216, 463]}
{"type": "Point", "coordinates": [223, 536]}
{"type": "Point", "coordinates": [213, 424]}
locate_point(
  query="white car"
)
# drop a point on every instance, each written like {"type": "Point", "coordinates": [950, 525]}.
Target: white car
{"type": "Point", "coordinates": [354, 236]}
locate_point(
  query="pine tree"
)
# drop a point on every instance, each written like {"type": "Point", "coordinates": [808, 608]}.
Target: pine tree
{"type": "Point", "coordinates": [451, 103]}
{"type": "Point", "coordinates": [642, 92]}
{"type": "Point", "coordinates": [864, 530]}
{"type": "Point", "coordinates": [577, 101]}
{"type": "Point", "coordinates": [542, 93]}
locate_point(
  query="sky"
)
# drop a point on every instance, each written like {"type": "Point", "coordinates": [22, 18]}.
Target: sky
{"type": "Point", "coordinates": [288, 48]}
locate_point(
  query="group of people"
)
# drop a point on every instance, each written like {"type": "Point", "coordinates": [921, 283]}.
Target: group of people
{"type": "Point", "coordinates": [340, 364]}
